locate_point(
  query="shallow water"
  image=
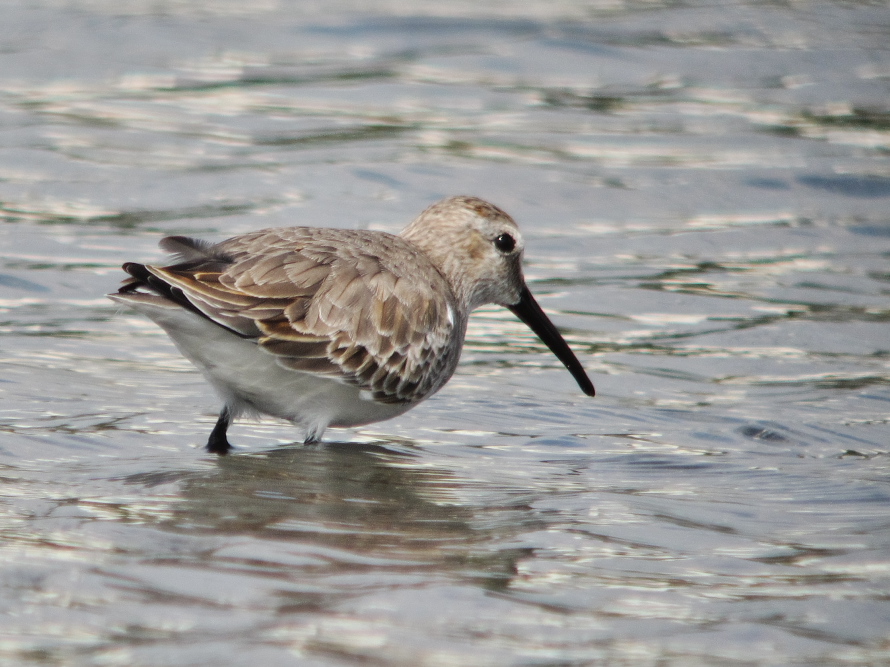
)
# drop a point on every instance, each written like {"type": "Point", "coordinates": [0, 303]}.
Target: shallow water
{"type": "Point", "coordinates": [704, 191]}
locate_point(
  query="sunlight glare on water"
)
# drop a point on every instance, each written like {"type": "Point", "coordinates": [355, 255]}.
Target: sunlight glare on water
{"type": "Point", "coordinates": [704, 194]}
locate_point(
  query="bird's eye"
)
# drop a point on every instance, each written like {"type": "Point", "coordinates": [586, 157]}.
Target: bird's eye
{"type": "Point", "coordinates": [505, 243]}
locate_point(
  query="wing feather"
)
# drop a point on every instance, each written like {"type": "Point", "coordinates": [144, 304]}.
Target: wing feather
{"type": "Point", "coordinates": [366, 307]}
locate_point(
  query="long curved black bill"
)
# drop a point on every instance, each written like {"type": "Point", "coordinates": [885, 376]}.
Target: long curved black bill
{"type": "Point", "coordinates": [528, 310]}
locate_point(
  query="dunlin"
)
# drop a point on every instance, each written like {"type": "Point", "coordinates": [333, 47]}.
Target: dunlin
{"type": "Point", "coordinates": [338, 327]}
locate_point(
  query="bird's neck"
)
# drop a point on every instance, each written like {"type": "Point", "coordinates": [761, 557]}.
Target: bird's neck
{"type": "Point", "coordinates": [450, 260]}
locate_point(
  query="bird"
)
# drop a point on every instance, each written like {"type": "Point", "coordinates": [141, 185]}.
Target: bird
{"type": "Point", "coordinates": [328, 327]}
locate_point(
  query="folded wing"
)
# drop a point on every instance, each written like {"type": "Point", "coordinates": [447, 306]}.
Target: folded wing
{"type": "Point", "coordinates": [322, 303]}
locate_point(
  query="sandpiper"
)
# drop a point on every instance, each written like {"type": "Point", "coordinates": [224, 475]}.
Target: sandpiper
{"type": "Point", "coordinates": [338, 327]}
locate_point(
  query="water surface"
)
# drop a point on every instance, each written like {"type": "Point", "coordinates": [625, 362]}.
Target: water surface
{"type": "Point", "coordinates": [704, 191]}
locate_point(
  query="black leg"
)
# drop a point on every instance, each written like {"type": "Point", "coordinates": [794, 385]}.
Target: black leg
{"type": "Point", "coordinates": [313, 435]}
{"type": "Point", "coordinates": [218, 443]}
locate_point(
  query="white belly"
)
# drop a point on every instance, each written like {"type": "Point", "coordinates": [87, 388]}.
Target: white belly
{"type": "Point", "coordinates": [249, 379]}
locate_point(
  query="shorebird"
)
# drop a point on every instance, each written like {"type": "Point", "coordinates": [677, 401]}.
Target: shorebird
{"type": "Point", "coordinates": [338, 327]}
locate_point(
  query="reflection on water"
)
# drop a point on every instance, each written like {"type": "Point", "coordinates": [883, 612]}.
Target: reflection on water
{"type": "Point", "coordinates": [331, 492]}
{"type": "Point", "coordinates": [341, 507]}
{"type": "Point", "coordinates": [704, 194]}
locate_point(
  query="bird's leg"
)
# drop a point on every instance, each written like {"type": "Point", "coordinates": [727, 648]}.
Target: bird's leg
{"type": "Point", "coordinates": [314, 433]}
{"type": "Point", "coordinates": [218, 443]}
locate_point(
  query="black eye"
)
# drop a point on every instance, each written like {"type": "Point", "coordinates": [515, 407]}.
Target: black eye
{"type": "Point", "coordinates": [505, 243]}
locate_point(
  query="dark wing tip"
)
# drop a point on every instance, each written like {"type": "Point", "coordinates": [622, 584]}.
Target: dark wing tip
{"type": "Point", "coordinates": [139, 277]}
{"type": "Point", "coordinates": [139, 271]}
{"type": "Point", "coordinates": [143, 277]}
